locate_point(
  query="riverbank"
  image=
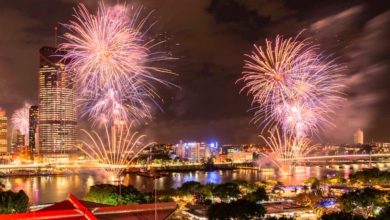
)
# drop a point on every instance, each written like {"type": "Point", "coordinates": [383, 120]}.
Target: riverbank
{"type": "Point", "coordinates": [193, 167]}
{"type": "Point", "coordinates": [50, 189]}
{"type": "Point", "coordinates": [162, 168]}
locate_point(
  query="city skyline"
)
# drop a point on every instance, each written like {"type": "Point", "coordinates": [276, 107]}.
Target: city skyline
{"type": "Point", "coordinates": [201, 109]}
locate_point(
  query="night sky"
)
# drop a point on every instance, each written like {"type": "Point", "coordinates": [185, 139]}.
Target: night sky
{"type": "Point", "coordinates": [209, 38]}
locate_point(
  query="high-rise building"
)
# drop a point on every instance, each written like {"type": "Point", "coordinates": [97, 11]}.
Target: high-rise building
{"type": "Point", "coordinates": [57, 110]}
{"type": "Point", "coordinates": [3, 132]}
{"type": "Point", "coordinates": [20, 139]}
{"type": "Point", "coordinates": [180, 150]}
{"type": "Point", "coordinates": [358, 137]}
{"type": "Point", "coordinates": [32, 127]}
{"type": "Point", "coordinates": [193, 151]}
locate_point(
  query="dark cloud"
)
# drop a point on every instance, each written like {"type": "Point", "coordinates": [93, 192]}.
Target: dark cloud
{"type": "Point", "coordinates": [360, 47]}
{"type": "Point", "coordinates": [210, 38]}
{"type": "Point", "coordinates": [18, 57]}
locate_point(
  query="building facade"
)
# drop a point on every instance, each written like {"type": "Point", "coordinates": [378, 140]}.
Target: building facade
{"type": "Point", "coordinates": [358, 137]}
{"type": "Point", "coordinates": [20, 139]}
{"type": "Point", "coordinates": [57, 120]}
{"type": "Point", "coordinates": [193, 151]}
{"type": "Point", "coordinates": [3, 132]}
{"type": "Point", "coordinates": [33, 127]}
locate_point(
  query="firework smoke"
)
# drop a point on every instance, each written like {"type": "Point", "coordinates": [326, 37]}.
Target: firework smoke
{"type": "Point", "coordinates": [293, 85]}
{"type": "Point", "coordinates": [112, 62]}
{"type": "Point", "coordinates": [295, 88]}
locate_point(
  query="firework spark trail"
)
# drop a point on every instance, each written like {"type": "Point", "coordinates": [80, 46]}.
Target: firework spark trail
{"type": "Point", "coordinates": [109, 105]}
{"type": "Point", "coordinates": [267, 72]}
{"type": "Point", "coordinates": [20, 120]}
{"type": "Point", "coordinates": [296, 89]}
{"type": "Point", "coordinates": [113, 65]}
{"type": "Point", "coordinates": [293, 85]}
{"type": "Point", "coordinates": [109, 51]}
{"type": "Point", "coordinates": [285, 148]}
{"type": "Point", "coordinates": [114, 154]}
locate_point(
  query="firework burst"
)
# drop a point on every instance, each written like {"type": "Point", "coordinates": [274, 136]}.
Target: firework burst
{"type": "Point", "coordinates": [20, 119]}
{"type": "Point", "coordinates": [295, 89]}
{"type": "Point", "coordinates": [293, 85]}
{"type": "Point", "coordinates": [268, 73]}
{"type": "Point", "coordinates": [109, 51]}
{"type": "Point", "coordinates": [109, 105]}
{"type": "Point", "coordinates": [115, 151]}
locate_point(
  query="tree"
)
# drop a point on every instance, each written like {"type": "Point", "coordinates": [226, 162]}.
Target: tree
{"type": "Point", "coordinates": [259, 195]}
{"type": "Point", "coordinates": [13, 202]}
{"type": "Point", "coordinates": [312, 181]}
{"type": "Point", "coordinates": [205, 194]}
{"type": "Point", "coordinates": [370, 176]}
{"type": "Point", "coordinates": [240, 209]}
{"type": "Point", "coordinates": [189, 188]}
{"type": "Point", "coordinates": [384, 214]}
{"type": "Point", "coordinates": [103, 193]}
{"type": "Point", "coordinates": [335, 180]}
{"type": "Point", "coordinates": [341, 215]}
{"type": "Point", "coordinates": [130, 195]}
{"type": "Point", "coordinates": [363, 202]}
{"type": "Point", "coordinates": [227, 191]}
{"type": "Point", "coordinates": [244, 186]}
{"type": "Point", "coordinates": [109, 194]}
{"type": "Point", "coordinates": [308, 199]}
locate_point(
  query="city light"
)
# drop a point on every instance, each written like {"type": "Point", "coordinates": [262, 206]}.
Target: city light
{"type": "Point", "coordinates": [91, 128]}
{"type": "Point", "coordinates": [20, 119]}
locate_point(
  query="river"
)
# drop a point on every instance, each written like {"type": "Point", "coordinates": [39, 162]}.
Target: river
{"type": "Point", "coordinates": [49, 189]}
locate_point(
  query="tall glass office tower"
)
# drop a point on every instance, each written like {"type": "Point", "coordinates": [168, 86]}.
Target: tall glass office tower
{"type": "Point", "coordinates": [57, 110]}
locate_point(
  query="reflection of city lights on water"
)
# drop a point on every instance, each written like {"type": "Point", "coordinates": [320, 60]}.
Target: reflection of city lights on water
{"type": "Point", "coordinates": [36, 200]}
{"type": "Point", "coordinates": [90, 181]}
{"type": "Point", "coordinates": [18, 181]}
{"type": "Point", "coordinates": [213, 177]}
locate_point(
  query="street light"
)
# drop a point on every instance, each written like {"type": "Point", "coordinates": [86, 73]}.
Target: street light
{"type": "Point", "coordinates": [119, 179]}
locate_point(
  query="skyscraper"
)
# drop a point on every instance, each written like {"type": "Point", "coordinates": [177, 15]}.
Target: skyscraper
{"type": "Point", "coordinates": [32, 127]}
{"type": "Point", "coordinates": [358, 137]}
{"type": "Point", "coordinates": [17, 141]}
{"type": "Point", "coordinates": [20, 139]}
{"type": "Point", "coordinates": [3, 132]}
{"type": "Point", "coordinates": [193, 151]}
{"type": "Point", "coordinates": [57, 111]}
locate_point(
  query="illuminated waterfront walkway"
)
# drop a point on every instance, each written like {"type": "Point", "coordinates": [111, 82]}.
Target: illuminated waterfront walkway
{"type": "Point", "coordinates": [348, 158]}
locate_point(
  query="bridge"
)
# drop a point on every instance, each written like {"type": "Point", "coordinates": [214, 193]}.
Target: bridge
{"type": "Point", "coordinates": [348, 157]}
{"type": "Point", "coordinates": [376, 158]}
{"type": "Point", "coordinates": [380, 160]}
{"type": "Point", "coordinates": [28, 166]}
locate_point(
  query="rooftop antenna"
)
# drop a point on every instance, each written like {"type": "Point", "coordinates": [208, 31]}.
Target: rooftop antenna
{"type": "Point", "coordinates": [55, 36]}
